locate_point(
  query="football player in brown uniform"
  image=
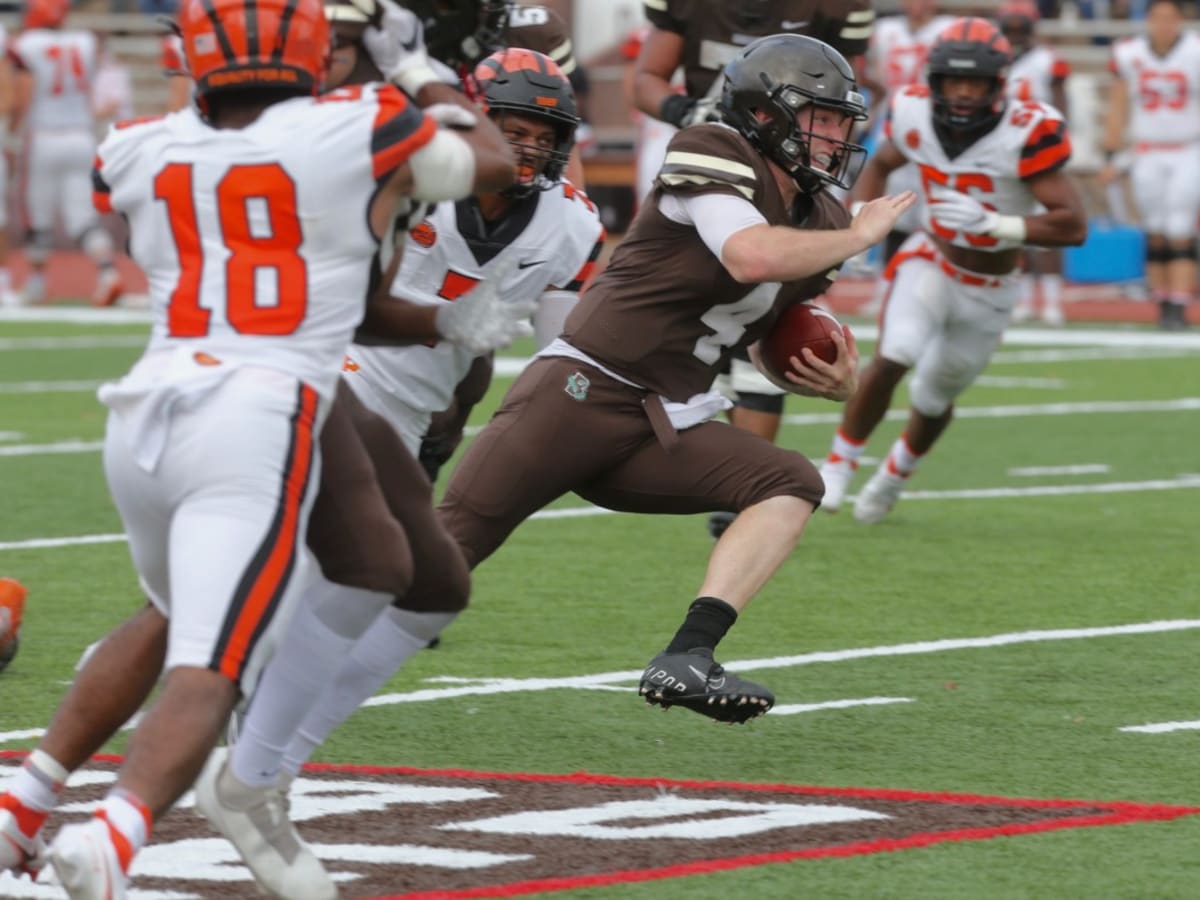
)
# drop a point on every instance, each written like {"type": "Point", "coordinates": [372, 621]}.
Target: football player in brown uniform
{"type": "Point", "coordinates": [619, 409]}
{"type": "Point", "coordinates": [700, 36]}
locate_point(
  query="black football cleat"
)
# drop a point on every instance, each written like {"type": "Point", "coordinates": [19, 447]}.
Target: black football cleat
{"type": "Point", "coordinates": [696, 681]}
{"type": "Point", "coordinates": [718, 522]}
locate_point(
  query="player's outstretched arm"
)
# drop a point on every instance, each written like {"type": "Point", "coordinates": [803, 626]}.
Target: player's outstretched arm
{"type": "Point", "coordinates": [660, 56]}
{"type": "Point", "coordinates": [764, 252]}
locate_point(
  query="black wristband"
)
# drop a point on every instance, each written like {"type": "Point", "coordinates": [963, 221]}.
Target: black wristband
{"type": "Point", "coordinates": [675, 109]}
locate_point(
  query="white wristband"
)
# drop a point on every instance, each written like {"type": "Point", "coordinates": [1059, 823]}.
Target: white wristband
{"type": "Point", "coordinates": [413, 73]}
{"type": "Point", "coordinates": [1009, 228]}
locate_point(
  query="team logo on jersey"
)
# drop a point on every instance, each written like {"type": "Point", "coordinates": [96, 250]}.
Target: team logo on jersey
{"type": "Point", "coordinates": [913, 138]}
{"type": "Point", "coordinates": [425, 234]}
{"type": "Point", "coordinates": [577, 386]}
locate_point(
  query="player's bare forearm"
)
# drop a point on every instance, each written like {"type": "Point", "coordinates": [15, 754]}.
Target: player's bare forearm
{"type": "Point", "coordinates": [1064, 223]}
{"type": "Point", "coordinates": [1114, 121]}
{"type": "Point", "coordinates": [397, 322]}
{"type": "Point", "coordinates": [661, 55]}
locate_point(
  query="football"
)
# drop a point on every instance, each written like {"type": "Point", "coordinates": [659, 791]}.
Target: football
{"type": "Point", "coordinates": [12, 605]}
{"type": "Point", "coordinates": [799, 326]}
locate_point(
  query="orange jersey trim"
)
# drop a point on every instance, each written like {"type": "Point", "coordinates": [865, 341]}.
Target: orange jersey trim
{"type": "Point", "coordinates": [400, 129]}
{"type": "Point", "coordinates": [266, 577]}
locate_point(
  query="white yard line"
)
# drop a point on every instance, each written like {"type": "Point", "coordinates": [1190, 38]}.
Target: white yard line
{"type": "Point", "coordinates": [1081, 469]}
{"type": "Point", "coordinates": [592, 682]}
{"type": "Point", "coordinates": [48, 449]}
{"type": "Point", "coordinates": [1007, 381]}
{"type": "Point", "coordinates": [1183, 482]}
{"type": "Point", "coordinates": [792, 709]}
{"type": "Point", "coordinates": [78, 342]}
{"type": "Point", "coordinates": [49, 387]}
{"type": "Point", "coordinates": [1162, 727]}
{"type": "Point", "coordinates": [1098, 407]}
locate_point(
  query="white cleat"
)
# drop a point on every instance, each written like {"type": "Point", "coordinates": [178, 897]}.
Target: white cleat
{"type": "Point", "coordinates": [255, 821]}
{"type": "Point", "coordinates": [878, 496]}
{"type": "Point", "coordinates": [19, 854]}
{"type": "Point", "coordinates": [86, 862]}
{"type": "Point", "coordinates": [1022, 313]}
{"type": "Point", "coordinates": [837, 475]}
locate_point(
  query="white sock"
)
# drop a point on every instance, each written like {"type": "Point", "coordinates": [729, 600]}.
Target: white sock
{"type": "Point", "coordinates": [1052, 290]}
{"type": "Point", "coordinates": [39, 782]}
{"type": "Point", "coordinates": [307, 658]}
{"type": "Point", "coordinates": [1028, 286]}
{"type": "Point", "coordinates": [394, 638]}
{"type": "Point", "coordinates": [901, 460]}
{"type": "Point", "coordinates": [846, 448]}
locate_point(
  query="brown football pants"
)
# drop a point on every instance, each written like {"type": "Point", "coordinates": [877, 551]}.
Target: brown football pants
{"type": "Point", "coordinates": [373, 525]}
{"type": "Point", "coordinates": [542, 443]}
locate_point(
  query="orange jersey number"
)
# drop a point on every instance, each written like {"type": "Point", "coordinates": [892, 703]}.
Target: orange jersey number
{"type": "Point", "coordinates": [964, 183]}
{"type": "Point", "coordinates": [278, 251]}
{"type": "Point", "coordinates": [68, 65]}
{"type": "Point", "coordinates": [1162, 90]}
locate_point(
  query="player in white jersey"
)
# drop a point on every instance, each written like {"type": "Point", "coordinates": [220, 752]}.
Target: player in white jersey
{"type": "Point", "coordinates": [543, 234]}
{"type": "Point", "coordinates": [1037, 73]}
{"type": "Point", "coordinates": [1154, 110]}
{"type": "Point", "coordinates": [985, 163]}
{"type": "Point", "coordinates": [255, 216]}
{"type": "Point", "coordinates": [53, 104]}
{"type": "Point", "coordinates": [7, 296]}
{"type": "Point", "coordinates": [895, 59]}
{"type": "Point", "coordinates": [540, 238]}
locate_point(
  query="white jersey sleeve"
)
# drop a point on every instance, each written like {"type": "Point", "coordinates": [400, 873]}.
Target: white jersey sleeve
{"type": "Point", "coordinates": [1033, 75]}
{"type": "Point", "coordinates": [1029, 140]}
{"type": "Point", "coordinates": [62, 65]}
{"type": "Point", "coordinates": [1164, 91]}
{"type": "Point", "coordinates": [255, 241]}
{"type": "Point", "coordinates": [550, 242]}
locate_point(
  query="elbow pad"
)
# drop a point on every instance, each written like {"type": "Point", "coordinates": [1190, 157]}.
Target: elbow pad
{"type": "Point", "coordinates": [443, 169]}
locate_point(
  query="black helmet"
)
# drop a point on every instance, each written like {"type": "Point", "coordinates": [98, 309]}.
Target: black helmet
{"type": "Point", "coordinates": [969, 48]}
{"type": "Point", "coordinates": [769, 85]}
{"type": "Point", "coordinates": [531, 84]}
{"type": "Point", "coordinates": [461, 32]}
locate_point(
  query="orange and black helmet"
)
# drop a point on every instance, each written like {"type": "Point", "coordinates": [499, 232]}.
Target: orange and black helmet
{"type": "Point", "coordinates": [1018, 20]}
{"type": "Point", "coordinates": [237, 44]}
{"type": "Point", "coordinates": [531, 84]}
{"type": "Point", "coordinates": [45, 13]}
{"type": "Point", "coordinates": [969, 48]}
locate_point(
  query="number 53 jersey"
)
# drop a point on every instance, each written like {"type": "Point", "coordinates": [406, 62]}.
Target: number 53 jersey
{"type": "Point", "coordinates": [1030, 139]}
{"type": "Point", "coordinates": [255, 241]}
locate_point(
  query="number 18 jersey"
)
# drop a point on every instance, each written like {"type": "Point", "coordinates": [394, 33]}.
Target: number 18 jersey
{"type": "Point", "coordinates": [255, 241]}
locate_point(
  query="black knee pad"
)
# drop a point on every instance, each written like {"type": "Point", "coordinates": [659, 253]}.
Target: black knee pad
{"type": "Point", "coordinates": [763, 403]}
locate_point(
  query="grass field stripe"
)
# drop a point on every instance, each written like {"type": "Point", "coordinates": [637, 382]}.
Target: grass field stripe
{"type": "Point", "coordinates": [792, 709]}
{"type": "Point", "coordinates": [1162, 727]}
{"type": "Point", "coordinates": [1084, 354]}
{"type": "Point", "coordinates": [1081, 469]}
{"type": "Point", "coordinates": [524, 685]}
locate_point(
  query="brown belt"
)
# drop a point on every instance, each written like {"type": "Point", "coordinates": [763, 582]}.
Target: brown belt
{"type": "Point", "coordinates": [667, 436]}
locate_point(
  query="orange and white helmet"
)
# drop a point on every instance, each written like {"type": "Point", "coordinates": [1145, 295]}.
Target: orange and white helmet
{"type": "Point", "coordinates": [45, 13]}
{"type": "Point", "coordinates": [232, 44]}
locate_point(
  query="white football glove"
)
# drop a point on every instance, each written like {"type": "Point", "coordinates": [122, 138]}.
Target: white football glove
{"type": "Point", "coordinates": [397, 47]}
{"type": "Point", "coordinates": [962, 212]}
{"type": "Point", "coordinates": [482, 320]}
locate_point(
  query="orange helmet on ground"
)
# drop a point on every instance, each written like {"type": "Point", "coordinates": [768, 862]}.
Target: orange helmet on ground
{"type": "Point", "coordinates": [45, 13]}
{"type": "Point", "coordinates": [232, 44]}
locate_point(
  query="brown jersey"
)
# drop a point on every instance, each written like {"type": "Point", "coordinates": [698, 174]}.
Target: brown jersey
{"type": "Point", "coordinates": [542, 30]}
{"type": "Point", "coordinates": [715, 31]}
{"type": "Point", "coordinates": [666, 314]}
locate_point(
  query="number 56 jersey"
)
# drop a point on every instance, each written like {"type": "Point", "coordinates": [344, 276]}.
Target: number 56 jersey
{"type": "Point", "coordinates": [1030, 139]}
{"type": "Point", "coordinates": [255, 241]}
